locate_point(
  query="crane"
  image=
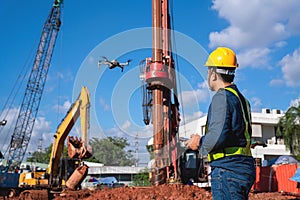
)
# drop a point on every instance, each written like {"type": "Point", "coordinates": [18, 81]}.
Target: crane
{"type": "Point", "coordinates": [160, 97]}
{"type": "Point", "coordinates": [34, 89]}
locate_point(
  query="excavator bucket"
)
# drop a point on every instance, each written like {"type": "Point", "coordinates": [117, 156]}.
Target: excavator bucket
{"type": "Point", "coordinates": [77, 148]}
{"type": "Point", "coordinates": [77, 177]}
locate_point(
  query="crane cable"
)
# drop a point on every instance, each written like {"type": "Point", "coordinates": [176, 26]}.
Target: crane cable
{"type": "Point", "coordinates": [177, 65]}
{"type": "Point", "coordinates": [59, 68]}
{"type": "Point", "coordinates": [13, 94]}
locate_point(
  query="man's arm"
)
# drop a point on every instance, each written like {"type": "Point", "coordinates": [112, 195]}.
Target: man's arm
{"type": "Point", "coordinates": [214, 138]}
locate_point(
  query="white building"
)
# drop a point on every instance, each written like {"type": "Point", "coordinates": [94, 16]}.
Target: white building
{"type": "Point", "coordinates": [124, 174]}
{"type": "Point", "coordinates": [264, 125]}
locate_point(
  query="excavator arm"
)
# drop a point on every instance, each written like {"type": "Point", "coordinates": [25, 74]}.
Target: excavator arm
{"type": "Point", "coordinates": [77, 148]}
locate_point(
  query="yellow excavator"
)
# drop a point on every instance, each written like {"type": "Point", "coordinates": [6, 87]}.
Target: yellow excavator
{"type": "Point", "coordinates": [65, 173]}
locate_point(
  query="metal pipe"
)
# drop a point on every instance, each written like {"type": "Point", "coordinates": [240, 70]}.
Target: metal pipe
{"type": "Point", "coordinates": [157, 121]}
{"type": "Point", "coordinates": [156, 31]}
{"type": "Point", "coordinates": [157, 57]}
{"type": "Point", "coordinates": [159, 175]}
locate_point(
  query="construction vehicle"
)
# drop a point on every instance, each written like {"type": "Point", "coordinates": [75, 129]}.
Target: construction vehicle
{"type": "Point", "coordinates": [161, 101]}
{"type": "Point", "coordinates": [65, 173]}
{"type": "Point", "coordinates": [31, 100]}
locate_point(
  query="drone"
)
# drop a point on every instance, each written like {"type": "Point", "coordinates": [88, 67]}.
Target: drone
{"type": "Point", "coordinates": [113, 63]}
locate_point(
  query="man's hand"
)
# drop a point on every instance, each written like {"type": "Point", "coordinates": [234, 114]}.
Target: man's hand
{"type": "Point", "coordinates": [193, 142]}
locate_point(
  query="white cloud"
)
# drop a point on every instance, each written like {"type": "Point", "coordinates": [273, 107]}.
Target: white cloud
{"type": "Point", "coordinates": [41, 130]}
{"type": "Point", "coordinates": [6, 131]}
{"type": "Point", "coordinates": [104, 105]}
{"type": "Point", "coordinates": [293, 23]}
{"type": "Point", "coordinates": [232, 37]}
{"type": "Point", "coordinates": [114, 132]}
{"type": "Point", "coordinates": [68, 77]}
{"type": "Point", "coordinates": [126, 125]}
{"type": "Point", "coordinates": [60, 75]}
{"type": "Point", "coordinates": [256, 104]}
{"type": "Point", "coordinates": [290, 68]}
{"type": "Point", "coordinates": [147, 131]}
{"type": "Point", "coordinates": [40, 126]}
{"type": "Point", "coordinates": [295, 102]}
{"type": "Point", "coordinates": [193, 116]}
{"type": "Point", "coordinates": [193, 97]}
{"type": "Point", "coordinates": [255, 23]}
{"type": "Point", "coordinates": [281, 44]}
{"type": "Point", "coordinates": [256, 57]}
{"type": "Point", "coordinates": [255, 27]}
{"type": "Point", "coordinates": [66, 106]}
{"type": "Point", "coordinates": [123, 131]}
{"type": "Point", "coordinates": [63, 108]}
{"type": "Point", "coordinates": [276, 82]}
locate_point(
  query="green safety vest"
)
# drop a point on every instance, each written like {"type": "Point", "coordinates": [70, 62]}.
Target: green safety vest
{"type": "Point", "coordinates": [229, 151]}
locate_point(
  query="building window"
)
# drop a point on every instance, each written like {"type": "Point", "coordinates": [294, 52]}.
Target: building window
{"type": "Point", "coordinates": [256, 130]}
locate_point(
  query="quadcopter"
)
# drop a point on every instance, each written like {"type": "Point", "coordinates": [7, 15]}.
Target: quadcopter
{"type": "Point", "coordinates": [113, 63]}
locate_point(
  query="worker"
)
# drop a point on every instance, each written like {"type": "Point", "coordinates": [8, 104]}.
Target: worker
{"type": "Point", "coordinates": [228, 131]}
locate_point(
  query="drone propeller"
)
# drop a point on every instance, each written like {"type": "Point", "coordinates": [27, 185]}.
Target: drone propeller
{"type": "Point", "coordinates": [100, 62]}
{"type": "Point", "coordinates": [104, 58]}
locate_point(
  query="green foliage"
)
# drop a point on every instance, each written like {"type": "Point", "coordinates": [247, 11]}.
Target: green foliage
{"type": "Point", "coordinates": [298, 157]}
{"type": "Point", "coordinates": [289, 128]}
{"type": "Point", "coordinates": [93, 159]}
{"type": "Point", "coordinates": [141, 179]}
{"type": "Point", "coordinates": [44, 156]}
{"type": "Point", "coordinates": [150, 150]}
{"type": "Point", "coordinates": [111, 151]}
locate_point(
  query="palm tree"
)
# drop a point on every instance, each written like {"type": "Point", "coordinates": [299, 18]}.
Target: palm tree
{"type": "Point", "coordinates": [289, 128]}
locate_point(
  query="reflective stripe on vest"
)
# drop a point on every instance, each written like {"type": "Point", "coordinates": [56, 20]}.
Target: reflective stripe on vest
{"type": "Point", "coordinates": [229, 151]}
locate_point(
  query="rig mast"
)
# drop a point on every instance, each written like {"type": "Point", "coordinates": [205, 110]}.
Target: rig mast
{"type": "Point", "coordinates": [161, 97]}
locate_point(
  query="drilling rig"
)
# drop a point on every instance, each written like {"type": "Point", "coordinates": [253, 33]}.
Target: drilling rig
{"type": "Point", "coordinates": [160, 97]}
{"type": "Point", "coordinates": [33, 93]}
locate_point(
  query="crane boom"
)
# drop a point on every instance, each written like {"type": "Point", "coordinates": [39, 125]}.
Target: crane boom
{"type": "Point", "coordinates": [34, 89]}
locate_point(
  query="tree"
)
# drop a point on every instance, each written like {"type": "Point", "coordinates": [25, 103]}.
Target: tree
{"type": "Point", "coordinates": [289, 128]}
{"type": "Point", "coordinates": [142, 178]}
{"type": "Point", "coordinates": [40, 157]}
{"type": "Point", "coordinates": [44, 156]}
{"type": "Point", "coordinates": [111, 151]}
{"type": "Point", "coordinates": [150, 151]}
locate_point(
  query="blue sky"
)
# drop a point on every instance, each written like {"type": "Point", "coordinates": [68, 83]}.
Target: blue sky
{"type": "Point", "coordinates": [265, 35]}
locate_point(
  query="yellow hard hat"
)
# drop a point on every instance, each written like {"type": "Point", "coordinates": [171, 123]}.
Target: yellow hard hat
{"type": "Point", "coordinates": [222, 57]}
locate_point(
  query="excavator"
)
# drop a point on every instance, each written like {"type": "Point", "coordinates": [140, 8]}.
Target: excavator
{"type": "Point", "coordinates": [64, 173]}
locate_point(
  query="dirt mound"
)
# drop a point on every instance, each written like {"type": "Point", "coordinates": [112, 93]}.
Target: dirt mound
{"type": "Point", "coordinates": [176, 191]}
{"type": "Point", "coordinates": [33, 194]}
{"type": "Point", "coordinates": [162, 192]}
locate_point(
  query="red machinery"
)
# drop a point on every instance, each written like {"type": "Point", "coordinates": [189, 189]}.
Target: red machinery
{"type": "Point", "coordinates": [161, 97]}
